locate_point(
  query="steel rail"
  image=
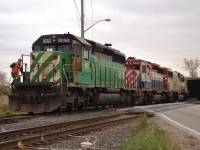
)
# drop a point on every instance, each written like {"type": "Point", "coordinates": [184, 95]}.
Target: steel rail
{"type": "Point", "coordinates": [13, 118]}
{"type": "Point", "coordinates": [63, 133]}
{"type": "Point", "coordinates": [19, 132]}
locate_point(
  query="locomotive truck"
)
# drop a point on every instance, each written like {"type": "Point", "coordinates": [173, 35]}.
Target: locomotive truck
{"type": "Point", "coordinates": [68, 72]}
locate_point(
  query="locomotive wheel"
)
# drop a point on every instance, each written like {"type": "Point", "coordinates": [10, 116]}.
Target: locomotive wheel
{"type": "Point", "coordinates": [68, 107]}
{"type": "Point", "coordinates": [57, 111]}
{"type": "Point", "coordinates": [80, 106]}
{"type": "Point", "coordinates": [132, 100]}
{"type": "Point", "coordinates": [145, 100]}
{"type": "Point", "coordinates": [151, 99]}
{"type": "Point", "coordinates": [171, 99]}
{"type": "Point", "coordinates": [30, 113]}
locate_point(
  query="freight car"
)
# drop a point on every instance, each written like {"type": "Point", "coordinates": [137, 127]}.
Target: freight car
{"type": "Point", "coordinates": [152, 83]}
{"type": "Point", "coordinates": [69, 72]}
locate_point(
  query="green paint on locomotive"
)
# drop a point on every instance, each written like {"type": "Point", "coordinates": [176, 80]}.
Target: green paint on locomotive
{"type": "Point", "coordinates": [79, 69]}
{"type": "Point", "coordinates": [47, 66]}
{"type": "Point", "coordinates": [106, 73]}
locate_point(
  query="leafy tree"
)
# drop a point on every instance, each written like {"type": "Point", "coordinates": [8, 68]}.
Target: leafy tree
{"type": "Point", "coordinates": [191, 66]}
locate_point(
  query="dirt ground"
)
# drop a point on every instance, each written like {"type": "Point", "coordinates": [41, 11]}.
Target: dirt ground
{"type": "Point", "coordinates": [3, 99]}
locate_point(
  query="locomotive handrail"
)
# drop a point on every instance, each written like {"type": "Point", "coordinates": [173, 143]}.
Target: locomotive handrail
{"type": "Point", "coordinates": [94, 69]}
{"type": "Point", "coordinates": [22, 56]}
{"type": "Point", "coordinates": [22, 71]}
{"type": "Point", "coordinates": [65, 74]}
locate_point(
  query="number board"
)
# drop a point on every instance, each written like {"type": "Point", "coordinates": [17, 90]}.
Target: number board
{"type": "Point", "coordinates": [54, 40]}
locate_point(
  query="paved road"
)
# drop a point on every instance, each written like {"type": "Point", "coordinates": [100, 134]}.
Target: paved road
{"type": "Point", "coordinates": [181, 114]}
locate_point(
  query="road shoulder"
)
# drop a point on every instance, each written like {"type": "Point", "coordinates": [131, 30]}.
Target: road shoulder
{"type": "Point", "coordinates": [179, 138]}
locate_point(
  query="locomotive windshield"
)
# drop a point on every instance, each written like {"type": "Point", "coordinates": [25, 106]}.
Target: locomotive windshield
{"type": "Point", "coordinates": [49, 48]}
{"type": "Point", "coordinates": [64, 48]}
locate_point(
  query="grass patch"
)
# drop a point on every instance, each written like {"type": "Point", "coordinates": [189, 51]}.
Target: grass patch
{"type": "Point", "coordinates": [147, 137]}
{"type": "Point", "coordinates": [4, 110]}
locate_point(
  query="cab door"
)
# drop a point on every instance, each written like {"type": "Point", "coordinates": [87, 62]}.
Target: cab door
{"type": "Point", "coordinates": [76, 57]}
{"type": "Point", "coordinates": [145, 76]}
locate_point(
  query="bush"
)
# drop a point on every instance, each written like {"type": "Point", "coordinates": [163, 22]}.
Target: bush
{"type": "Point", "coordinates": [8, 112]}
{"type": "Point", "coordinates": [143, 122]}
{"type": "Point", "coordinates": [4, 110]}
{"type": "Point", "coordinates": [4, 90]}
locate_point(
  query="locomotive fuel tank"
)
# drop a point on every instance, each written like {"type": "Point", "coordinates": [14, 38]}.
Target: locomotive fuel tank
{"type": "Point", "coordinates": [105, 99]}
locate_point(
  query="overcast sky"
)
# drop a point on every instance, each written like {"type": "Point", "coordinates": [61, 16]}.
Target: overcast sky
{"type": "Point", "coordinates": [161, 31]}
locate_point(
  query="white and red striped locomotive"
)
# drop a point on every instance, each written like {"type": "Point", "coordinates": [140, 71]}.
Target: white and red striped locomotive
{"type": "Point", "coordinates": [152, 83]}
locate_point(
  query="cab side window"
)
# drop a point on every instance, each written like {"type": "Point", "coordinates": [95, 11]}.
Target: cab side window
{"type": "Point", "coordinates": [148, 70]}
{"type": "Point", "coordinates": [76, 49]}
{"type": "Point", "coordinates": [144, 68]}
{"type": "Point", "coordinates": [86, 53]}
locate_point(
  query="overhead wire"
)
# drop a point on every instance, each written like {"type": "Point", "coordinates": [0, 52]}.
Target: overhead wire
{"type": "Point", "coordinates": [92, 16]}
{"type": "Point", "coordinates": [85, 14]}
{"type": "Point", "coordinates": [77, 13]}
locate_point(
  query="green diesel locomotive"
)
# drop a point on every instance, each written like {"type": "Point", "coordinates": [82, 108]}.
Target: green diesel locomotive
{"type": "Point", "coordinates": [69, 72]}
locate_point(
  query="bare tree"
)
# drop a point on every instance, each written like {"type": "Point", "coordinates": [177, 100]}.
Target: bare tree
{"type": "Point", "coordinates": [3, 78]}
{"type": "Point", "coordinates": [191, 66]}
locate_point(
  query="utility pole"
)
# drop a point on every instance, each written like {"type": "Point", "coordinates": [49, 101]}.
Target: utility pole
{"type": "Point", "coordinates": [82, 18]}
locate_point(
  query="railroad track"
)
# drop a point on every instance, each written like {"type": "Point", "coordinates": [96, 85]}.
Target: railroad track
{"type": "Point", "coordinates": [28, 136]}
{"type": "Point", "coordinates": [7, 119]}
{"type": "Point", "coordinates": [14, 118]}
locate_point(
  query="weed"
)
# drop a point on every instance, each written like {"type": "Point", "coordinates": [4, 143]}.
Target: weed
{"type": "Point", "coordinates": [147, 137]}
{"type": "Point", "coordinates": [4, 110]}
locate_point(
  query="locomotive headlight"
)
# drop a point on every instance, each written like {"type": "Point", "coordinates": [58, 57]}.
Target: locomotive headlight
{"type": "Point", "coordinates": [44, 78]}
{"type": "Point", "coordinates": [55, 57]}
{"type": "Point", "coordinates": [33, 57]}
{"type": "Point", "coordinates": [17, 77]}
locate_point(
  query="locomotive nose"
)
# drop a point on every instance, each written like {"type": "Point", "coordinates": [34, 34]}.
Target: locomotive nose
{"type": "Point", "coordinates": [45, 67]}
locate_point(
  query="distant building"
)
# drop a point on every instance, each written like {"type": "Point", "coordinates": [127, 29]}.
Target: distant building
{"type": "Point", "coordinates": [193, 87]}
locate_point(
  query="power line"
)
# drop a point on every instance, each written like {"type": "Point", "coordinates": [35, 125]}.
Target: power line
{"type": "Point", "coordinates": [77, 13]}
{"type": "Point", "coordinates": [86, 21]}
{"type": "Point", "coordinates": [92, 16]}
